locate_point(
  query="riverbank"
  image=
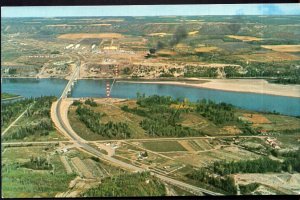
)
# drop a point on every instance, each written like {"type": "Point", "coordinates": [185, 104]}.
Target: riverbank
{"type": "Point", "coordinates": [258, 86]}
{"type": "Point", "coordinates": [11, 98]}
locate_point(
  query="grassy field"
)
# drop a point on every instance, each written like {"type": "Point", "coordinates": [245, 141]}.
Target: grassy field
{"type": "Point", "coordinates": [80, 128]}
{"type": "Point", "coordinates": [163, 146]}
{"type": "Point", "coordinates": [283, 48]}
{"type": "Point", "coordinates": [205, 49]}
{"type": "Point", "coordinates": [18, 181]}
{"type": "Point", "coordinates": [244, 38]}
{"type": "Point", "coordinates": [8, 96]}
{"type": "Point", "coordinates": [21, 183]}
{"type": "Point", "coordinates": [75, 36]}
{"type": "Point", "coordinates": [270, 57]}
{"type": "Point", "coordinates": [113, 114]}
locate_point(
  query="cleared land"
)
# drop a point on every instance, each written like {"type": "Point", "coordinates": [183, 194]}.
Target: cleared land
{"type": "Point", "coordinates": [75, 36]}
{"type": "Point", "coordinates": [257, 118]}
{"type": "Point", "coordinates": [284, 182]}
{"type": "Point", "coordinates": [163, 146]}
{"type": "Point", "coordinates": [159, 34]}
{"type": "Point", "coordinates": [283, 48]}
{"type": "Point", "coordinates": [244, 38]}
{"type": "Point", "coordinates": [205, 49]}
{"type": "Point", "coordinates": [270, 57]}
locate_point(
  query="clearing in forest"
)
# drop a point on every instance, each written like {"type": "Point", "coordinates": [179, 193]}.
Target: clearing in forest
{"type": "Point", "coordinates": [244, 38]}
{"type": "Point", "coordinates": [75, 36]}
{"type": "Point", "coordinates": [283, 48]}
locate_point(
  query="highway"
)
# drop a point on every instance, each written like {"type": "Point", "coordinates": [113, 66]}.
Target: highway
{"type": "Point", "coordinates": [85, 146]}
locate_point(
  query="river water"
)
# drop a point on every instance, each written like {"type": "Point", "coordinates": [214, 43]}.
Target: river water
{"type": "Point", "coordinates": [96, 88]}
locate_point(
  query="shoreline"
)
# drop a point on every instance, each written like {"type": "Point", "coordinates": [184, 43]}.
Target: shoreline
{"type": "Point", "coordinates": [214, 85]}
{"type": "Point", "coordinates": [256, 86]}
{"type": "Point", "coordinates": [12, 98]}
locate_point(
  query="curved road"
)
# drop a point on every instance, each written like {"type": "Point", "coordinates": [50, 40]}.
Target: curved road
{"type": "Point", "coordinates": [84, 145]}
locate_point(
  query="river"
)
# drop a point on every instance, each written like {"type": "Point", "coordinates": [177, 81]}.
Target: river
{"type": "Point", "coordinates": [96, 88]}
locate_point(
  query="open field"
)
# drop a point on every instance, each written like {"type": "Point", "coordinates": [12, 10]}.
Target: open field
{"type": "Point", "coordinates": [165, 136]}
{"type": "Point", "coordinates": [60, 25]}
{"type": "Point", "coordinates": [283, 48]}
{"type": "Point", "coordinates": [257, 118]}
{"type": "Point", "coordinates": [75, 36]}
{"type": "Point", "coordinates": [164, 146]}
{"type": "Point", "coordinates": [25, 182]}
{"type": "Point", "coordinates": [270, 57]}
{"type": "Point", "coordinates": [244, 38]}
{"type": "Point", "coordinates": [205, 49]}
{"type": "Point", "coordinates": [99, 25]}
{"type": "Point", "coordinates": [193, 32]}
{"type": "Point", "coordinates": [159, 34]}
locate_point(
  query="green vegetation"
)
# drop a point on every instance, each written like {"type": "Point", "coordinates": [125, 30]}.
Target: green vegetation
{"type": "Point", "coordinates": [161, 119]}
{"type": "Point", "coordinates": [128, 185]}
{"type": "Point", "coordinates": [291, 163]}
{"type": "Point", "coordinates": [90, 102]}
{"type": "Point", "coordinates": [10, 111]}
{"type": "Point", "coordinates": [286, 80]}
{"type": "Point", "coordinates": [76, 103]}
{"type": "Point", "coordinates": [110, 130]}
{"type": "Point", "coordinates": [39, 117]}
{"type": "Point", "coordinates": [163, 146]}
{"type": "Point", "coordinates": [192, 71]}
{"type": "Point", "coordinates": [20, 182]}
{"type": "Point", "coordinates": [247, 189]}
{"type": "Point", "coordinates": [38, 163]}
{"type": "Point", "coordinates": [217, 113]}
{"type": "Point", "coordinates": [261, 165]}
{"type": "Point", "coordinates": [227, 184]}
{"type": "Point", "coordinates": [8, 96]}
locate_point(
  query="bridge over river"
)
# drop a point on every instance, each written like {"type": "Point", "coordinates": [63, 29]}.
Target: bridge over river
{"type": "Point", "coordinates": [62, 124]}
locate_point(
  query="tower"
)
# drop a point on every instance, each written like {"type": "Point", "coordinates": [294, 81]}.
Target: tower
{"type": "Point", "coordinates": [107, 89]}
{"type": "Point", "coordinates": [116, 70]}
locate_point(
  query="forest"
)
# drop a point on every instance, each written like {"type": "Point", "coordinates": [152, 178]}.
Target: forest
{"type": "Point", "coordinates": [202, 175]}
{"type": "Point", "coordinates": [290, 164]}
{"type": "Point", "coordinates": [38, 115]}
{"type": "Point", "coordinates": [160, 118]}
{"type": "Point", "coordinates": [128, 185]}
{"type": "Point", "coordinates": [217, 113]}
{"type": "Point", "coordinates": [10, 111]}
{"type": "Point", "coordinates": [92, 120]}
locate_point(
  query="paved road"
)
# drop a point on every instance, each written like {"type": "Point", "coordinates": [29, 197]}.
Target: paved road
{"type": "Point", "coordinates": [84, 145]}
{"type": "Point", "coordinates": [42, 142]}
{"type": "Point", "coordinates": [178, 138]}
{"type": "Point", "coordinates": [186, 186]}
{"type": "Point", "coordinates": [14, 122]}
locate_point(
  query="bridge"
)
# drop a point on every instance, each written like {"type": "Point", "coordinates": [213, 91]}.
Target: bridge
{"type": "Point", "coordinates": [72, 81]}
{"type": "Point", "coordinates": [66, 128]}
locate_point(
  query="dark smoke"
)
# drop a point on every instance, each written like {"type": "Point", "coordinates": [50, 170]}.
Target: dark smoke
{"type": "Point", "coordinates": [179, 35]}
{"type": "Point", "coordinates": [235, 25]}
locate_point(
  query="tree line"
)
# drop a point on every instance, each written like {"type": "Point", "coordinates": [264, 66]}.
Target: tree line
{"type": "Point", "coordinates": [262, 165]}
{"type": "Point", "coordinates": [39, 115]}
{"type": "Point", "coordinates": [160, 118]}
{"type": "Point", "coordinates": [10, 111]}
{"type": "Point", "coordinates": [225, 183]}
{"type": "Point", "coordinates": [136, 184]}
{"type": "Point", "coordinates": [111, 130]}
{"type": "Point", "coordinates": [217, 113]}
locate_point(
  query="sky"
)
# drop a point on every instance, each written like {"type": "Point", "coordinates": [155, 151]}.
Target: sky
{"type": "Point", "coordinates": [152, 10]}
